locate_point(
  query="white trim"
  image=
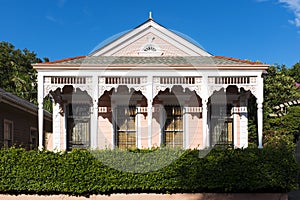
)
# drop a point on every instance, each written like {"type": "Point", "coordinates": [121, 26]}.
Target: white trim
{"type": "Point", "coordinates": [186, 142]}
{"type": "Point", "coordinates": [41, 109]}
{"type": "Point", "coordinates": [235, 117]}
{"type": "Point", "coordinates": [137, 130]}
{"type": "Point", "coordinates": [56, 126]}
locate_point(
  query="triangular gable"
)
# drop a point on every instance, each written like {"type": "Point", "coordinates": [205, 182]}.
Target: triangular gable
{"type": "Point", "coordinates": [150, 39]}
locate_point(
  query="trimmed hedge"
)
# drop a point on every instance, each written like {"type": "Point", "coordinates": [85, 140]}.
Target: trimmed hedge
{"type": "Point", "coordinates": [81, 172]}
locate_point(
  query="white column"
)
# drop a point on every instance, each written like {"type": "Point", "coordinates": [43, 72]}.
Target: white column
{"type": "Point", "coordinates": [41, 109]}
{"type": "Point", "coordinates": [260, 93]}
{"type": "Point", "coordinates": [149, 110]}
{"type": "Point", "coordinates": [206, 141]}
{"type": "Point", "coordinates": [259, 124]}
{"type": "Point", "coordinates": [243, 127]}
{"type": "Point", "coordinates": [56, 127]}
{"type": "Point", "coordinates": [138, 118]}
{"type": "Point", "coordinates": [94, 116]}
{"type": "Point", "coordinates": [204, 97]}
{"type": "Point", "coordinates": [186, 135]}
{"type": "Point", "coordinates": [235, 115]}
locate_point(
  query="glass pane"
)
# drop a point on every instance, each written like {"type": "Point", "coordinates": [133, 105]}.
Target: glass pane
{"type": "Point", "coordinates": [125, 120]}
{"type": "Point", "coordinates": [131, 123]}
{"type": "Point", "coordinates": [121, 137]}
{"type": "Point", "coordinates": [178, 124]}
{"type": "Point", "coordinates": [174, 127]}
{"type": "Point", "coordinates": [131, 138]}
{"type": "Point", "coordinates": [178, 139]}
{"type": "Point", "coordinates": [169, 124]}
{"type": "Point", "coordinates": [169, 137]}
{"type": "Point", "coordinates": [229, 131]}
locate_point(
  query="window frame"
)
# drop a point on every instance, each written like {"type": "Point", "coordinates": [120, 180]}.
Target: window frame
{"type": "Point", "coordinates": [31, 137]}
{"type": "Point", "coordinates": [127, 131]}
{"type": "Point", "coordinates": [175, 130]}
{"type": "Point", "coordinates": [82, 119]}
{"type": "Point", "coordinates": [5, 139]}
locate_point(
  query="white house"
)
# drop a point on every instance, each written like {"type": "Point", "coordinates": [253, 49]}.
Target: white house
{"type": "Point", "coordinates": [150, 87]}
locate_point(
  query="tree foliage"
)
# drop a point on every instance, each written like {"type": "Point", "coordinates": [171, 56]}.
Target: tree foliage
{"type": "Point", "coordinates": [295, 72]}
{"type": "Point", "coordinates": [79, 172]}
{"type": "Point", "coordinates": [16, 73]}
{"type": "Point", "coordinates": [279, 87]}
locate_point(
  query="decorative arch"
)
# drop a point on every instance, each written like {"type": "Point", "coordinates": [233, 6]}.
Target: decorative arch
{"type": "Point", "coordinates": [163, 83]}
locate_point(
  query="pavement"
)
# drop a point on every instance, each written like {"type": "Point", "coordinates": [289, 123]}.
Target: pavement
{"type": "Point", "coordinates": [294, 195]}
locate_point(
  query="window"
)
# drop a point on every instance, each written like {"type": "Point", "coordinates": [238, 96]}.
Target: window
{"type": "Point", "coordinates": [173, 128]}
{"type": "Point", "coordinates": [226, 136]}
{"type": "Point", "coordinates": [125, 127]}
{"type": "Point", "coordinates": [78, 126]}
{"type": "Point", "coordinates": [149, 47]}
{"type": "Point", "coordinates": [8, 133]}
{"type": "Point", "coordinates": [33, 138]}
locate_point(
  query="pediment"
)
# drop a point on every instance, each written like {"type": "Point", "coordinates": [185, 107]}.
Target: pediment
{"type": "Point", "coordinates": [150, 39]}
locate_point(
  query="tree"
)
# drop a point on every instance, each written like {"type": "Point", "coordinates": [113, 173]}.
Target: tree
{"type": "Point", "coordinates": [294, 72]}
{"type": "Point", "coordinates": [279, 87]}
{"type": "Point", "coordinates": [16, 73]}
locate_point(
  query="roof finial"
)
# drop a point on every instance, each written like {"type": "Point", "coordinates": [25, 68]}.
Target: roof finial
{"type": "Point", "coordinates": [150, 15]}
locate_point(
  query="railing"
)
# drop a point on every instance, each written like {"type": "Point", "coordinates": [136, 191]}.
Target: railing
{"type": "Point", "coordinates": [122, 80]}
{"type": "Point", "coordinates": [177, 80]}
{"type": "Point", "coordinates": [68, 80]}
{"type": "Point", "coordinates": [232, 80]}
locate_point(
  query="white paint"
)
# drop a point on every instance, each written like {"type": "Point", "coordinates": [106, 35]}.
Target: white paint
{"type": "Point", "coordinates": [56, 127]}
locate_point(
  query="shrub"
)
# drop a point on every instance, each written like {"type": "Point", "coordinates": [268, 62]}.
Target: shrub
{"type": "Point", "coordinates": [80, 172]}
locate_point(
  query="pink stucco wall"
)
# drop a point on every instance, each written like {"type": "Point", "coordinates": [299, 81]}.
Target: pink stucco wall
{"type": "Point", "coordinates": [105, 140]}
{"type": "Point", "coordinates": [195, 131]}
{"type": "Point", "coordinates": [155, 133]}
{"type": "Point", "coordinates": [143, 122]}
{"type": "Point", "coordinates": [49, 141]}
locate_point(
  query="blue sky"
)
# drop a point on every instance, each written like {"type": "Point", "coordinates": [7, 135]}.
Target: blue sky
{"type": "Point", "coordinates": [264, 30]}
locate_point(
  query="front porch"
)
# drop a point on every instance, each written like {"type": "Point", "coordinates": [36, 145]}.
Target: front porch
{"type": "Point", "coordinates": [107, 112]}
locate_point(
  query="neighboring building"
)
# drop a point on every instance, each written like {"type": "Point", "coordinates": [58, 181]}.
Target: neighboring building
{"type": "Point", "coordinates": [150, 87]}
{"type": "Point", "coordinates": [19, 122]}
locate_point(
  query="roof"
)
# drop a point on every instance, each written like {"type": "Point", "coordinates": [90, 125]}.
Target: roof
{"type": "Point", "coordinates": [159, 31]}
{"type": "Point", "coordinates": [185, 54]}
{"type": "Point", "coordinates": [126, 61]}
{"type": "Point", "coordinates": [20, 103]}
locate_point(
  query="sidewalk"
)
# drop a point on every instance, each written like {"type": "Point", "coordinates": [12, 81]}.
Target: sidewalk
{"type": "Point", "coordinates": [294, 195]}
{"type": "Point", "coordinates": [196, 196]}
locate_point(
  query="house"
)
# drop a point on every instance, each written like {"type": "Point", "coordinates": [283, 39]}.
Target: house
{"type": "Point", "coordinates": [150, 87]}
{"type": "Point", "coordinates": [19, 122]}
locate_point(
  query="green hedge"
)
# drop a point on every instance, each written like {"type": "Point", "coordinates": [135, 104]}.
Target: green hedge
{"type": "Point", "coordinates": [83, 173]}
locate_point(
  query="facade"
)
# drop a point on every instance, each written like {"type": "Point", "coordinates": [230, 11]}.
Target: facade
{"type": "Point", "coordinates": [19, 122]}
{"type": "Point", "coordinates": [149, 88]}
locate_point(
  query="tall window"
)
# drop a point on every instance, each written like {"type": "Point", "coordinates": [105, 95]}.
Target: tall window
{"type": "Point", "coordinates": [226, 136]}
{"type": "Point", "coordinates": [173, 129]}
{"type": "Point", "coordinates": [78, 125]}
{"type": "Point", "coordinates": [8, 133]}
{"type": "Point", "coordinates": [125, 127]}
{"type": "Point", "coordinates": [33, 138]}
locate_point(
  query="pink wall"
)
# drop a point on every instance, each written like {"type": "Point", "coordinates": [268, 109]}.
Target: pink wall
{"type": "Point", "coordinates": [105, 139]}
{"type": "Point", "coordinates": [143, 122]}
{"type": "Point", "coordinates": [195, 131]}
